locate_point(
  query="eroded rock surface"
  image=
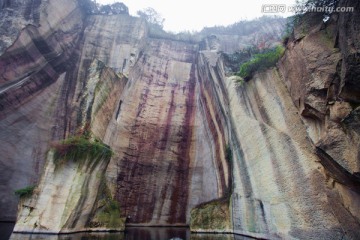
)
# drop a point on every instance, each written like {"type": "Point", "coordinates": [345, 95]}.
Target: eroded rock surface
{"type": "Point", "coordinates": [66, 199]}
{"type": "Point", "coordinates": [267, 200]}
{"type": "Point", "coordinates": [319, 68]}
{"type": "Point", "coordinates": [32, 85]}
{"type": "Point", "coordinates": [15, 16]}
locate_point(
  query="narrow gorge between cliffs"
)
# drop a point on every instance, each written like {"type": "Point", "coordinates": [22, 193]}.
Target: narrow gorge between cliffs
{"type": "Point", "coordinates": [108, 123]}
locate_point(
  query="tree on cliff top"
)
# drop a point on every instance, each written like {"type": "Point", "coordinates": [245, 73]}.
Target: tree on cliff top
{"type": "Point", "coordinates": [91, 7]}
{"type": "Point", "coordinates": [151, 16]}
{"type": "Point", "coordinates": [119, 8]}
{"type": "Point", "coordinates": [116, 8]}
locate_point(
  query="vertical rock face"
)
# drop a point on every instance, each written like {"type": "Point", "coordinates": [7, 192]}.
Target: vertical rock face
{"type": "Point", "coordinates": [279, 189]}
{"type": "Point", "coordinates": [279, 186]}
{"type": "Point", "coordinates": [150, 126]}
{"type": "Point", "coordinates": [323, 84]}
{"type": "Point", "coordinates": [70, 192]}
{"type": "Point", "coordinates": [156, 135]}
{"type": "Point", "coordinates": [276, 157]}
{"type": "Point", "coordinates": [32, 85]}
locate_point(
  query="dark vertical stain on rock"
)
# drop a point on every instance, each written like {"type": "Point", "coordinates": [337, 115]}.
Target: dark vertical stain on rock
{"type": "Point", "coordinates": [118, 111]}
{"type": "Point", "coordinates": [165, 137]}
{"type": "Point", "coordinates": [180, 193]}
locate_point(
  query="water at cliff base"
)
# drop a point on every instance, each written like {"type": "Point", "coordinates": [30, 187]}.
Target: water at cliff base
{"type": "Point", "coordinates": [135, 233]}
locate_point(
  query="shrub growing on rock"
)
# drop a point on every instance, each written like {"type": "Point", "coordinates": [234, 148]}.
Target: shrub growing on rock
{"type": "Point", "coordinates": [260, 62]}
{"type": "Point", "coordinates": [80, 148]}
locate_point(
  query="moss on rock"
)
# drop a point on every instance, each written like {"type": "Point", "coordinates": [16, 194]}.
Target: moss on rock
{"type": "Point", "coordinates": [107, 212]}
{"type": "Point", "coordinates": [213, 215]}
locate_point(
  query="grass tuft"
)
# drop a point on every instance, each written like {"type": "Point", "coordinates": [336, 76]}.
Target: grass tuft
{"type": "Point", "coordinates": [80, 148]}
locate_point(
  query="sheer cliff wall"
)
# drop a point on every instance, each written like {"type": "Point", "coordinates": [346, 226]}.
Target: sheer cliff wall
{"type": "Point", "coordinates": [276, 157]}
{"type": "Point", "coordinates": [34, 89]}
{"type": "Point", "coordinates": [56, 79]}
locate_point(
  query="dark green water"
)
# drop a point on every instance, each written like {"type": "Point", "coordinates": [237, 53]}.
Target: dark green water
{"type": "Point", "coordinates": [133, 233]}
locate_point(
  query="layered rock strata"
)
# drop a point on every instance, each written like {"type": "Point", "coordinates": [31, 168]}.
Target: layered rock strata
{"type": "Point", "coordinates": [32, 88]}
{"type": "Point", "coordinates": [269, 148]}
{"type": "Point", "coordinates": [68, 198]}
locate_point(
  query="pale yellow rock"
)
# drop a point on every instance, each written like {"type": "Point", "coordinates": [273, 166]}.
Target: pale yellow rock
{"type": "Point", "coordinates": [64, 198]}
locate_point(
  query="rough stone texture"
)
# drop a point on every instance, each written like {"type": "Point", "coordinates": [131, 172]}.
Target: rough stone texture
{"type": "Point", "coordinates": [101, 98]}
{"type": "Point", "coordinates": [207, 184]}
{"type": "Point", "coordinates": [116, 40]}
{"type": "Point", "coordinates": [31, 87]}
{"type": "Point", "coordinates": [69, 197]}
{"type": "Point", "coordinates": [24, 139]}
{"type": "Point", "coordinates": [212, 216]}
{"type": "Point", "coordinates": [279, 187]}
{"type": "Point", "coordinates": [348, 40]}
{"type": "Point", "coordinates": [15, 16]}
{"type": "Point", "coordinates": [160, 170]}
{"type": "Point", "coordinates": [155, 134]}
{"type": "Point", "coordinates": [40, 91]}
{"type": "Point", "coordinates": [320, 69]}
{"type": "Point", "coordinates": [64, 198]}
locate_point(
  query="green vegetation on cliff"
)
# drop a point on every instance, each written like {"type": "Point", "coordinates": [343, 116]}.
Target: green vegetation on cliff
{"type": "Point", "coordinates": [80, 148]}
{"type": "Point", "coordinates": [261, 62]}
{"type": "Point", "coordinates": [110, 215]}
{"type": "Point", "coordinates": [107, 210]}
{"type": "Point", "coordinates": [25, 192]}
{"type": "Point", "coordinates": [92, 7]}
{"type": "Point", "coordinates": [213, 215]}
{"type": "Point", "coordinates": [84, 148]}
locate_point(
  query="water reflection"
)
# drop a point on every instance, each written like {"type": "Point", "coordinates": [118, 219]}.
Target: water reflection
{"type": "Point", "coordinates": [134, 233]}
{"type": "Point", "coordinates": [216, 236]}
{"type": "Point", "coordinates": [74, 236]}
{"type": "Point", "coordinates": [6, 229]}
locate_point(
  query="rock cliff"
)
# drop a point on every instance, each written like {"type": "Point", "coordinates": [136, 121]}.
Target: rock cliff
{"type": "Point", "coordinates": [34, 90]}
{"type": "Point", "coordinates": [274, 157]}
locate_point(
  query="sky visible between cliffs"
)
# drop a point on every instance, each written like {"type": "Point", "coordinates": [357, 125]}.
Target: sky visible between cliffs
{"type": "Point", "coordinates": [193, 15]}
